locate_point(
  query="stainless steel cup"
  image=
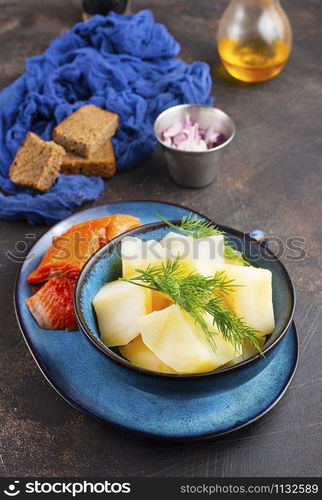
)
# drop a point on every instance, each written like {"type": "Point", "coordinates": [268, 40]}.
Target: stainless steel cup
{"type": "Point", "coordinates": [194, 168]}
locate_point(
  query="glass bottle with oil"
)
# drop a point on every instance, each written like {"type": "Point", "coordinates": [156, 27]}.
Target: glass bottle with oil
{"type": "Point", "coordinates": [254, 39]}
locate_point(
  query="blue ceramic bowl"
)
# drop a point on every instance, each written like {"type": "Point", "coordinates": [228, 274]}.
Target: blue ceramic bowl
{"type": "Point", "coordinates": [106, 265]}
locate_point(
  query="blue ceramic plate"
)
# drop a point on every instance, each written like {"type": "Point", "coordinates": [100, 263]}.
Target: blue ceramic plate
{"type": "Point", "coordinates": [89, 381]}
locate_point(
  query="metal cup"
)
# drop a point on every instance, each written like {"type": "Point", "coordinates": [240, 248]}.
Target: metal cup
{"type": "Point", "coordinates": [194, 168]}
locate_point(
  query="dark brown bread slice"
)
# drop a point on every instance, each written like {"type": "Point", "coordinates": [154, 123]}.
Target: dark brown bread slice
{"type": "Point", "coordinates": [86, 130]}
{"type": "Point", "coordinates": [101, 164]}
{"type": "Point", "coordinates": [37, 163]}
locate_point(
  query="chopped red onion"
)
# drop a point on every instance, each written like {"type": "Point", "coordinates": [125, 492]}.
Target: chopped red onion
{"type": "Point", "coordinates": [188, 136]}
{"type": "Point", "coordinates": [168, 141]}
{"type": "Point", "coordinates": [179, 138]}
{"type": "Point", "coordinates": [208, 131]}
{"type": "Point", "coordinates": [212, 139]}
{"type": "Point", "coordinates": [175, 129]}
{"type": "Point", "coordinates": [184, 145]}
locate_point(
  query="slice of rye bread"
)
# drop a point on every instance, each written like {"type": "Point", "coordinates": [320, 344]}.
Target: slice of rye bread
{"type": "Point", "coordinates": [37, 163]}
{"type": "Point", "coordinates": [101, 164]}
{"type": "Point", "coordinates": [86, 130]}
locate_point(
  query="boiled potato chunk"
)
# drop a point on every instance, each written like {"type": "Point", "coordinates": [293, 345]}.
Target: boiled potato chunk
{"type": "Point", "coordinates": [200, 255]}
{"type": "Point", "coordinates": [174, 337]}
{"type": "Point", "coordinates": [252, 299]}
{"type": "Point", "coordinates": [172, 239]}
{"type": "Point", "coordinates": [138, 254]}
{"type": "Point", "coordinates": [118, 305]}
{"type": "Point", "coordinates": [160, 300]}
{"type": "Point", "coordinates": [233, 262]}
{"type": "Point", "coordinates": [139, 354]}
{"type": "Point", "coordinates": [248, 351]}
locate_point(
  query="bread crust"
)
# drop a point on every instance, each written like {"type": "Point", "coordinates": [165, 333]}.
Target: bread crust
{"type": "Point", "coordinates": [101, 164]}
{"type": "Point", "coordinates": [37, 163]}
{"type": "Point", "coordinates": [86, 130]}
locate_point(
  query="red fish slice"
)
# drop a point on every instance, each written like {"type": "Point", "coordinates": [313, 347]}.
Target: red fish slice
{"type": "Point", "coordinates": [121, 223]}
{"type": "Point", "coordinates": [71, 250]}
{"type": "Point", "coordinates": [52, 306]}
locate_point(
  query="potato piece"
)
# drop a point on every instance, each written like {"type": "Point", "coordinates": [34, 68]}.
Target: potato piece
{"type": "Point", "coordinates": [252, 299]}
{"type": "Point", "coordinates": [139, 354]}
{"type": "Point", "coordinates": [160, 301]}
{"type": "Point", "coordinates": [203, 255]}
{"type": "Point", "coordinates": [118, 305]}
{"type": "Point", "coordinates": [172, 238]}
{"type": "Point", "coordinates": [248, 352]}
{"type": "Point", "coordinates": [174, 337]}
{"type": "Point", "coordinates": [138, 254]}
{"type": "Point", "coordinates": [232, 262]}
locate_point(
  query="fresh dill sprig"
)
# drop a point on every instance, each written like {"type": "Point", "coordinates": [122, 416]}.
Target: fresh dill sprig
{"type": "Point", "coordinates": [233, 254]}
{"type": "Point", "coordinates": [233, 329]}
{"type": "Point", "coordinates": [199, 295]}
{"type": "Point", "coordinates": [197, 227]}
{"type": "Point", "coordinates": [192, 225]}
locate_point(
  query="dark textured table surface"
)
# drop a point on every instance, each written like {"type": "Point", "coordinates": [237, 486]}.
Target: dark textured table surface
{"type": "Point", "coordinates": [270, 179]}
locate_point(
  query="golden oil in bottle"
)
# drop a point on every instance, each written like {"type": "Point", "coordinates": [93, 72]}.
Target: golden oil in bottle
{"type": "Point", "coordinates": [254, 39]}
{"type": "Point", "coordinates": [253, 60]}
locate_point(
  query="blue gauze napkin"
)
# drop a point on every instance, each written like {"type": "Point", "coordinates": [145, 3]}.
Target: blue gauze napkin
{"type": "Point", "coordinates": [125, 64]}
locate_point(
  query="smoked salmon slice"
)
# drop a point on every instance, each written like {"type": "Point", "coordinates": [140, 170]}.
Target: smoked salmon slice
{"type": "Point", "coordinates": [121, 223]}
{"type": "Point", "coordinates": [71, 250]}
{"type": "Point", "coordinates": [52, 306]}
